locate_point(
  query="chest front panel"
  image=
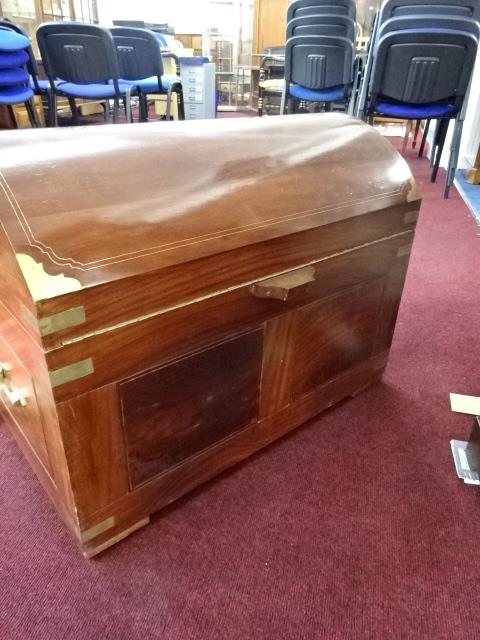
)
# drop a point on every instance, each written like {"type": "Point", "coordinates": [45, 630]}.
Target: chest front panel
{"type": "Point", "coordinates": [200, 377]}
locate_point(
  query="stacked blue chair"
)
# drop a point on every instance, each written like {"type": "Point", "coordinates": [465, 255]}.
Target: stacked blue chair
{"type": "Point", "coordinates": [320, 52]}
{"type": "Point", "coordinates": [420, 65]}
{"type": "Point", "coordinates": [14, 77]}
{"type": "Point", "coordinates": [41, 87]}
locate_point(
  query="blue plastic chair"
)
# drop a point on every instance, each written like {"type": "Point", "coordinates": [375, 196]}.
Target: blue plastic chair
{"type": "Point", "coordinates": [318, 69]}
{"type": "Point", "coordinates": [14, 77]}
{"type": "Point", "coordinates": [41, 87]}
{"type": "Point", "coordinates": [80, 62]}
{"type": "Point", "coordinates": [141, 67]}
{"type": "Point", "coordinates": [424, 74]}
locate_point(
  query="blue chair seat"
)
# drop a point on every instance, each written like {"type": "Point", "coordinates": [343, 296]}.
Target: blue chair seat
{"type": "Point", "coordinates": [43, 85]}
{"type": "Point", "coordinates": [415, 111]}
{"type": "Point", "coordinates": [150, 85]}
{"type": "Point", "coordinates": [15, 95]}
{"type": "Point", "coordinates": [12, 41]}
{"type": "Point", "coordinates": [13, 76]}
{"type": "Point", "coordinates": [317, 95]}
{"type": "Point", "coordinates": [9, 59]}
{"type": "Point", "coordinates": [94, 91]}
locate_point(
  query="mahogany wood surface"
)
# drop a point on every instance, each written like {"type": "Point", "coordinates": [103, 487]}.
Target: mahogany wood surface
{"type": "Point", "coordinates": [104, 194]}
{"type": "Point", "coordinates": [132, 297]}
{"type": "Point", "coordinates": [161, 321]}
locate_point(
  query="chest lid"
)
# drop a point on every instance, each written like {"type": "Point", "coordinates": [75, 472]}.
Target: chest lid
{"type": "Point", "coordinates": [85, 206]}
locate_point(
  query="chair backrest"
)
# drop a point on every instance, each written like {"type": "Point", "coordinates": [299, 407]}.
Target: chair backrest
{"type": "Point", "coordinates": [397, 8]}
{"type": "Point", "coordinates": [450, 22]}
{"type": "Point", "coordinates": [77, 52]}
{"type": "Point", "coordinates": [311, 7]}
{"type": "Point", "coordinates": [138, 53]}
{"type": "Point", "coordinates": [319, 62]}
{"type": "Point", "coordinates": [419, 67]}
{"type": "Point", "coordinates": [322, 25]}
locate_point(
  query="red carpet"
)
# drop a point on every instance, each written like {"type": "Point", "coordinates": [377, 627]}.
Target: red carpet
{"type": "Point", "coordinates": [355, 527]}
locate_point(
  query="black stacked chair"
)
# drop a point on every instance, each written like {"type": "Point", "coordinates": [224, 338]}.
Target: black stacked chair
{"type": "Point", "coordinates": [419, 67]}
{"type": "Point", "coordinates": [301, 8]}
{"type": "Point", "coordinates": [320, 53]}
{"type": "Point", "coordinates": [322, 24]}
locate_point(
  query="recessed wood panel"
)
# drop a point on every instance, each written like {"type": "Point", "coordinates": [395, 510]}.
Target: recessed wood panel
{"type": "Point", "coordinates": [334, 334]}
{"type": "Point", "coordinates": [178, 410]}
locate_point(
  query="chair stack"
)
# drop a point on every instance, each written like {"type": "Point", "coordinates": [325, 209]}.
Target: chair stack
{"type": "Point", "coordinates": [14, 76]}
{"type": "Point", "coordinates": [419, 67]}
{"type": "Point", "coordinates": [319, 52]}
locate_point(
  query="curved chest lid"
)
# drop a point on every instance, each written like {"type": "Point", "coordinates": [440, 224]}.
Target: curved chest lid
{"type": "Point", "coordinates": [88, 205]}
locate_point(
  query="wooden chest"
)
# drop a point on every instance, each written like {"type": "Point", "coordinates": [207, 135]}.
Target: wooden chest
{"type": "Point", "coordinates": [176, 296]}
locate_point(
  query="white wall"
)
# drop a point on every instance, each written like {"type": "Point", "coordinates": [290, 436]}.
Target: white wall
{"type": "Point", "coordinates": [471, 128]}
{"type": "Point", "coordinates": [187, 16]}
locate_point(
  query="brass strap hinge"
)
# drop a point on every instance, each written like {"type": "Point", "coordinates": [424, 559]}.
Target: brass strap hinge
{"type": "Point", "coordinates": [71, 372]}
{"type": "Point", "coordinates": [93, 532]}
{"type": "Point", "coordinates": [63, 320]}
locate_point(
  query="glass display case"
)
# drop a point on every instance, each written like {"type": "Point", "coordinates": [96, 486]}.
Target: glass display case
{"type": "Point", "coordinates": [228, 42]}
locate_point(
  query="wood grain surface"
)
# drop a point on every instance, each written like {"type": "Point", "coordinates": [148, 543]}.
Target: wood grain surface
{"type": "Point", "coordinates": [207, 306]}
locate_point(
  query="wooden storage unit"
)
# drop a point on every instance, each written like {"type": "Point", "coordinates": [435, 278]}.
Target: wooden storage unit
{"type": "Point", "coordinates": [175, 296]}
{"type": "Point", "coordinates": [269, 23]}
